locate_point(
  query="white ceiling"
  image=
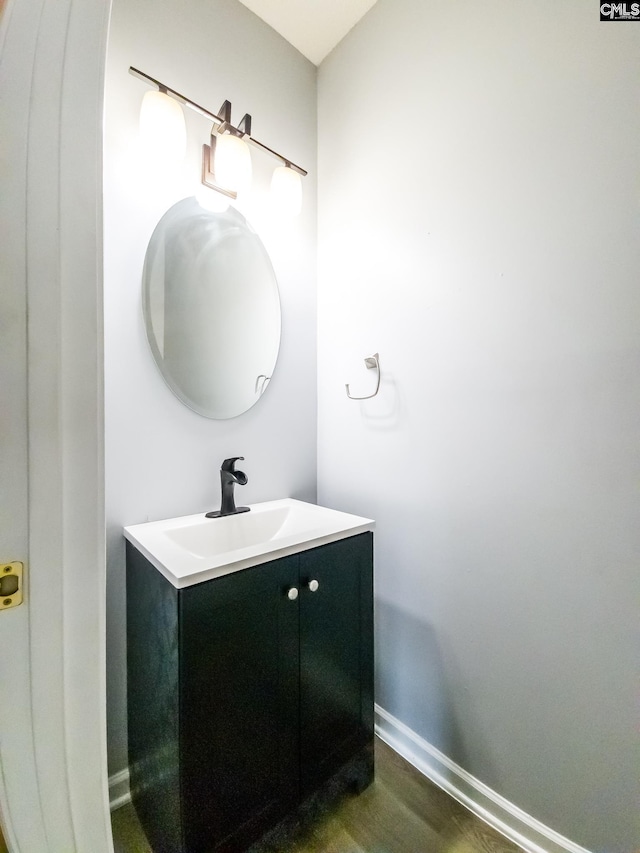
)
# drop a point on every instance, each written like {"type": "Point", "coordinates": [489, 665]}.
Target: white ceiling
{"type": "Point", "coordinates": [314, 27]}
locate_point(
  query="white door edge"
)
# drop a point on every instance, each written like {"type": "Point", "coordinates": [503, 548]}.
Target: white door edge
{"type": "Point", "coordinates": [53, 778]}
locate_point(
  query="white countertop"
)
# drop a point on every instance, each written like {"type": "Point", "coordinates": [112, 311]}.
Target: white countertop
{"type": "Point", "coordinates": [193, 548]}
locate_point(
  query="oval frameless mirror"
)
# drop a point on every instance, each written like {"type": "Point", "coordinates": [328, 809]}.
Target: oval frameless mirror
{"type": "Point", "coordinates": [211, 309]}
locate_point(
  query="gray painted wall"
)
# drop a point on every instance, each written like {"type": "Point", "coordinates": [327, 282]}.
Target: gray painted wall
{"type": "Point", "coordinates": [478, 226]}
{"type": "Point", "coordinates": [161, 458]}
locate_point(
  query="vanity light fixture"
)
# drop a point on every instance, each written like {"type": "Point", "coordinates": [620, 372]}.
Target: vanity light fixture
{"type": "Point", "coordinates": [226, 160]}
{"type": "Point", "coordinates": [286, 190]}
{"type": "Point", "coordinates": [162, 129]}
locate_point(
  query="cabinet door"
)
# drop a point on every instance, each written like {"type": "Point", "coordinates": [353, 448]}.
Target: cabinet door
{"type": "Point", "coordinates": [239, 705]}
{"type": "Point", "coordinates": [336, 656]}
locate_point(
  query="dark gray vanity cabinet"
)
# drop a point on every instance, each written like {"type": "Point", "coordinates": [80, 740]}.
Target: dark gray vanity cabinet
{"type": "Point", "coordinates": [248, 694]}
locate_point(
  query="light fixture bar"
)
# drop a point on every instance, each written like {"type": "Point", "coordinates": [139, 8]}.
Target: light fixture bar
{"type": "Point", "coordinates": [176, 95]}
{"type": "Point", "coordinates": [216, 119]}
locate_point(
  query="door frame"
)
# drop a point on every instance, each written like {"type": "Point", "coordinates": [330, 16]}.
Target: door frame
{"type": "Point", "coordinates": [53, 767]}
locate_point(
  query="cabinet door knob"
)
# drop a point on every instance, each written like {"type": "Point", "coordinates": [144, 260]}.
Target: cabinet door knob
{"type": "Point", "coordinates": [292, 594]}
{"type": "Point", "coordinates": [313, 585]}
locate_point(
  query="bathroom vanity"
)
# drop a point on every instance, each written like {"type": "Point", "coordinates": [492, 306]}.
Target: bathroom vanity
{"type": "Point", "coordinates": [250, 679]}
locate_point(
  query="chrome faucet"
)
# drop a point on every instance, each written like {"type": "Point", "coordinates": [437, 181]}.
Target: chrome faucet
{"type": "Point", "coordinates": [228, 479]}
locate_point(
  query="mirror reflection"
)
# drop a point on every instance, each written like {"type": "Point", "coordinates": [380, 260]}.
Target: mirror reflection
{"type": "Point", "coordinates": [211, 308]}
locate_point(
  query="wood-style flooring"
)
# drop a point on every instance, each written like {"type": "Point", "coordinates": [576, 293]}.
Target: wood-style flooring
{"type": "Point", "coordinates": [401, 812]}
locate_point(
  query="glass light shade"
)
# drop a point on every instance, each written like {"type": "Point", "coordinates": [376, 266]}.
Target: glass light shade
{"type": "Point", "coordinates": [286, 191]}
{"type": "Point", "coordinates": [211, 200]}
{"type": "Point", "coordinates": [162, 129]}
{"type": "Point", "coordinates": [232, 163]}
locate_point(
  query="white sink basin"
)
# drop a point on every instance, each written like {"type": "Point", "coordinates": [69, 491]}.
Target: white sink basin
{"type": "Point", "coordinates": [193, 548]}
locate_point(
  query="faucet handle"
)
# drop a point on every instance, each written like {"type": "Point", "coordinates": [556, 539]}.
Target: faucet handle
{"type": "Point", "coordinates": [228, 464]}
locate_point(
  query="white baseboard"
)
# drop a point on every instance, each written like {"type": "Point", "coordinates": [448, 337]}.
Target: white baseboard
{"type": "Point", "coordinates": [492, 808]}
{"type": "Point", "coordinates": [119, 794]}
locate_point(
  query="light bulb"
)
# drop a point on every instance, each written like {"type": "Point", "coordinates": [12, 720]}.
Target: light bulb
{"type": "Point", "coordinates": [232, 163]}
{"type": "Point", "coordinates": [211, 200]}
{"type": "Point", "coordinates": [286, 191]}
{"type": "Point", "coordinates": [162, 129]}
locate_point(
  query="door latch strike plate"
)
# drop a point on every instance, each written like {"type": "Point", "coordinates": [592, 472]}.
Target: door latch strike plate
{"type": "Point", "coordinates": [10, 585]}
